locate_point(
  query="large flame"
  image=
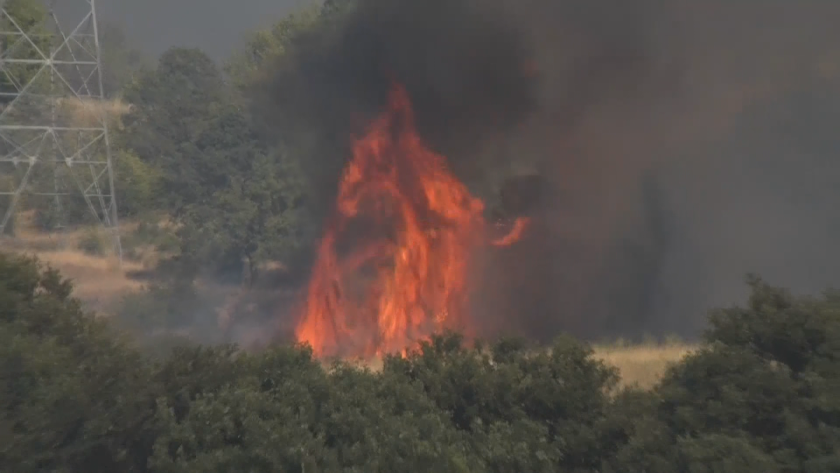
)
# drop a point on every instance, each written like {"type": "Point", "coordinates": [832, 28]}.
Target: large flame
{"type": "Point", "coordinates": [418, 227]}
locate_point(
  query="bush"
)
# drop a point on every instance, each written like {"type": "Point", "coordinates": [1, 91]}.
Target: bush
{"type": "Point", "coordinates": [68, 211]}
{"type": "Point", "coordinates": [69, 383]}
{"type": "Point", "coordinates": [139, 184]}
{"type": "Point", "coordinates": [92, 243]}
{"type": "Point", "coordinates": [164, 307]}
{"type": "Point", "coordinates": [760, 396]}
{"type": "Point", "coordinates": [150, 235]}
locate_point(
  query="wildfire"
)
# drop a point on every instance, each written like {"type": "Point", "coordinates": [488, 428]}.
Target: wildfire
{"type": "Point", "coordinates": [418, 226]}
{"type": "Point", "coordinates": [515, 234]}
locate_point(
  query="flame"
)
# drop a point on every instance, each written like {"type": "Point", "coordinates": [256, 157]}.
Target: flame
{"type": "Point", "coordinates": [515, 234]}
{"type": "Point", "coordinates": [409, 277]}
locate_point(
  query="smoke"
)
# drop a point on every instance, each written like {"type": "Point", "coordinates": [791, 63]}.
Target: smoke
{"type": "Point", "coordinates": [680, 144]}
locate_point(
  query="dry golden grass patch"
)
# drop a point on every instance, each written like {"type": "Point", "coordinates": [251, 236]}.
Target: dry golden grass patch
{"type": "Point", "coordinates": [91, 112]}
{"type": "Point", "coordinates": [639, 365]}
{"type": "Point", "coordinates": [99, 280]}
{"type": "Point", "coordinates": [642, 364]}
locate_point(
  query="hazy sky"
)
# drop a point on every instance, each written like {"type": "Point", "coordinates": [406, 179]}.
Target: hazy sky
{"type": "Point", "coordinates": [216, 26]}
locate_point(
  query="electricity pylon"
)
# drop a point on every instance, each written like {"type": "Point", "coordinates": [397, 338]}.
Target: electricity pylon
{"type": "Point", "coordinates": [55, 150]}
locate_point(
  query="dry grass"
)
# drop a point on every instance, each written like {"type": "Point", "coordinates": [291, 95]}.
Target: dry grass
{"type": "Point", "coordinates": [91, 112]}
{"type": "Point", "coordinates": [99, 281]}
{"type": "Point", "coordinates": [640, 365]}
{"type": "Point", "coordinates": [643, 364]}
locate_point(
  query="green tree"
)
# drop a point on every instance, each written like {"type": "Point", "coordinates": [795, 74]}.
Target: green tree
{"type": "Point", "coordinates": [257, 217]}
{"type": "Point", "coordinates": [140, 184]}
{"type": "Point", "coordinates": [555, 398]}
{"type": "Point", "coordinates": [249, 64]}
{"type": "Point", "coordinates": [22, 16]}
{"type": "Point", "coordinates": [225, 412]}
{"type": "Point", "coordinates": [173, 105]}
{"type": "Point", "coordinates": [759, 396]}
{"type": "Point", "coordinates": [236, 200]}
{"type": "Point", "coordinates": [72, 397]}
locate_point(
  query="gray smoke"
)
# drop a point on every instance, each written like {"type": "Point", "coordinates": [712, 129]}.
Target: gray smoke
{"type": "Point", "coordinates": [682, 144]}
{"type": "Point", "coordinates": [218, 27]}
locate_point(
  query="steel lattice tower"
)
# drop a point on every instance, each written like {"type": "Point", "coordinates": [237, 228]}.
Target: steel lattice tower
{"type": "Point", "coordinates": [54, 141]}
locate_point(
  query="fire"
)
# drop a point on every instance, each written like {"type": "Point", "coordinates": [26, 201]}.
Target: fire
{"type": "Point", "coordinates": [515, 234]}
{"type": "Point", "coordinates": [419, 226]}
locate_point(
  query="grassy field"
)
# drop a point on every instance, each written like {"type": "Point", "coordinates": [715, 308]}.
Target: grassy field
{"type": "Point", "coordinates": [101, 281]}
{"type": "Point", "coordinates": [642, 364]}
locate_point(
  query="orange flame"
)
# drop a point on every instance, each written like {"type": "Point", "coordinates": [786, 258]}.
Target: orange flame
{"type": "Point", "coordinates": [515, 234]}
{"type": "Point", "coordinates": [416, 281]}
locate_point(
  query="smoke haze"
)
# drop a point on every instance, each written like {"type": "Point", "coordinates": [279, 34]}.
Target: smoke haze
{"type": "Point", "coordinates": [682, 144]}
{"type": "Point", "coordinates": [218, 27]}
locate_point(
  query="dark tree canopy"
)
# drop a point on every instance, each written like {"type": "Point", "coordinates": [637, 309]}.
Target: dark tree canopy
{"type": "Point", "coordinates": [759, 396]}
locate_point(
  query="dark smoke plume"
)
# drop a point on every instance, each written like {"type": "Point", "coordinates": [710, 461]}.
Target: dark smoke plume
{"type": "Point", "coordinates": [677, 144]}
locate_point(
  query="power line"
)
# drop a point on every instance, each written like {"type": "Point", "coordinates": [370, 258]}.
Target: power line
{"type": "Point", "coordinates": [53, 119]}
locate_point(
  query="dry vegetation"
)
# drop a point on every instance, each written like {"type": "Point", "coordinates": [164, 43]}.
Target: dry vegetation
{"type": "Point", "coordinates": [89, 112]}
{"type": "Point", "coordinates": [642, 364]}
{"type": "Point", "coordinates": [99, 280]}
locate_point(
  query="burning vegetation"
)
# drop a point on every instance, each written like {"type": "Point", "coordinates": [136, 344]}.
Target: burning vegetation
{"type": "Point", "coordinates": [584, 126]}
{"type": "Point", "coordinates": [392, 266]}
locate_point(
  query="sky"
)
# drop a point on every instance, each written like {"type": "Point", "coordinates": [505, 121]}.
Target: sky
{"type": "Point", "coordinates": [216, 26]}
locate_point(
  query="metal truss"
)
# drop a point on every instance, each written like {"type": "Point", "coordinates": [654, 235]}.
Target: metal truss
{"type": "Point", "coordinates": [55, 148]}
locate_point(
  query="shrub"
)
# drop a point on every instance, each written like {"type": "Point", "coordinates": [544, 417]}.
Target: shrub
{"type": "Point", "coordinates": [92, 243]}
{"type": "Point", "coordinates": [760, 396]}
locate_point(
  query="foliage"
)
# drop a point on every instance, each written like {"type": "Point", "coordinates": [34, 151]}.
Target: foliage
{"type": "Point", "coordinates": [172, 107]}
{"type": "Point", "coordinates": [759, 397]}
{"type": "Point", "coordinates": [139, 184]}
{"type": "Point", "coordinates": [64, 376]}
{"type": "Point", "coordinates": [22, 16]}
{"type": "Point", "coordinates": [262, 47]}
{"type": "Point", "coordinates": [167, 307]}
{"type": "Point", "coordinates": [256, 219]}
{"type": "Point", "coordinates": [91, 242]}
{"type": "Point", "coordinates": [194, 152]}
{"type": "Point", "coordinates": [150, 235]}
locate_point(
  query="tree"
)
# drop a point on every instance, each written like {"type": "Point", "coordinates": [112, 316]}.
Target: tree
{"type": "Point", "coordinates": [173, 105]}
{"type": "Point", "coordinates": [257, 218]}
{"type": "Point", "coordinates": [237, 200]}
{"type": "Point", "coordinates": [139, 183]}
{"type": "Point", "coordinates": [22, 16]}
{"type": "Point", "coordinates": [240, 413]}
{"type": "Point", "coordinates": [757, 397]}
{"type": "Point", "coordinates": [249, 64]}
{"type": "Point", "coordinates": [74, 395]}
{"type": "Point", "coordinates": [556, 398]}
